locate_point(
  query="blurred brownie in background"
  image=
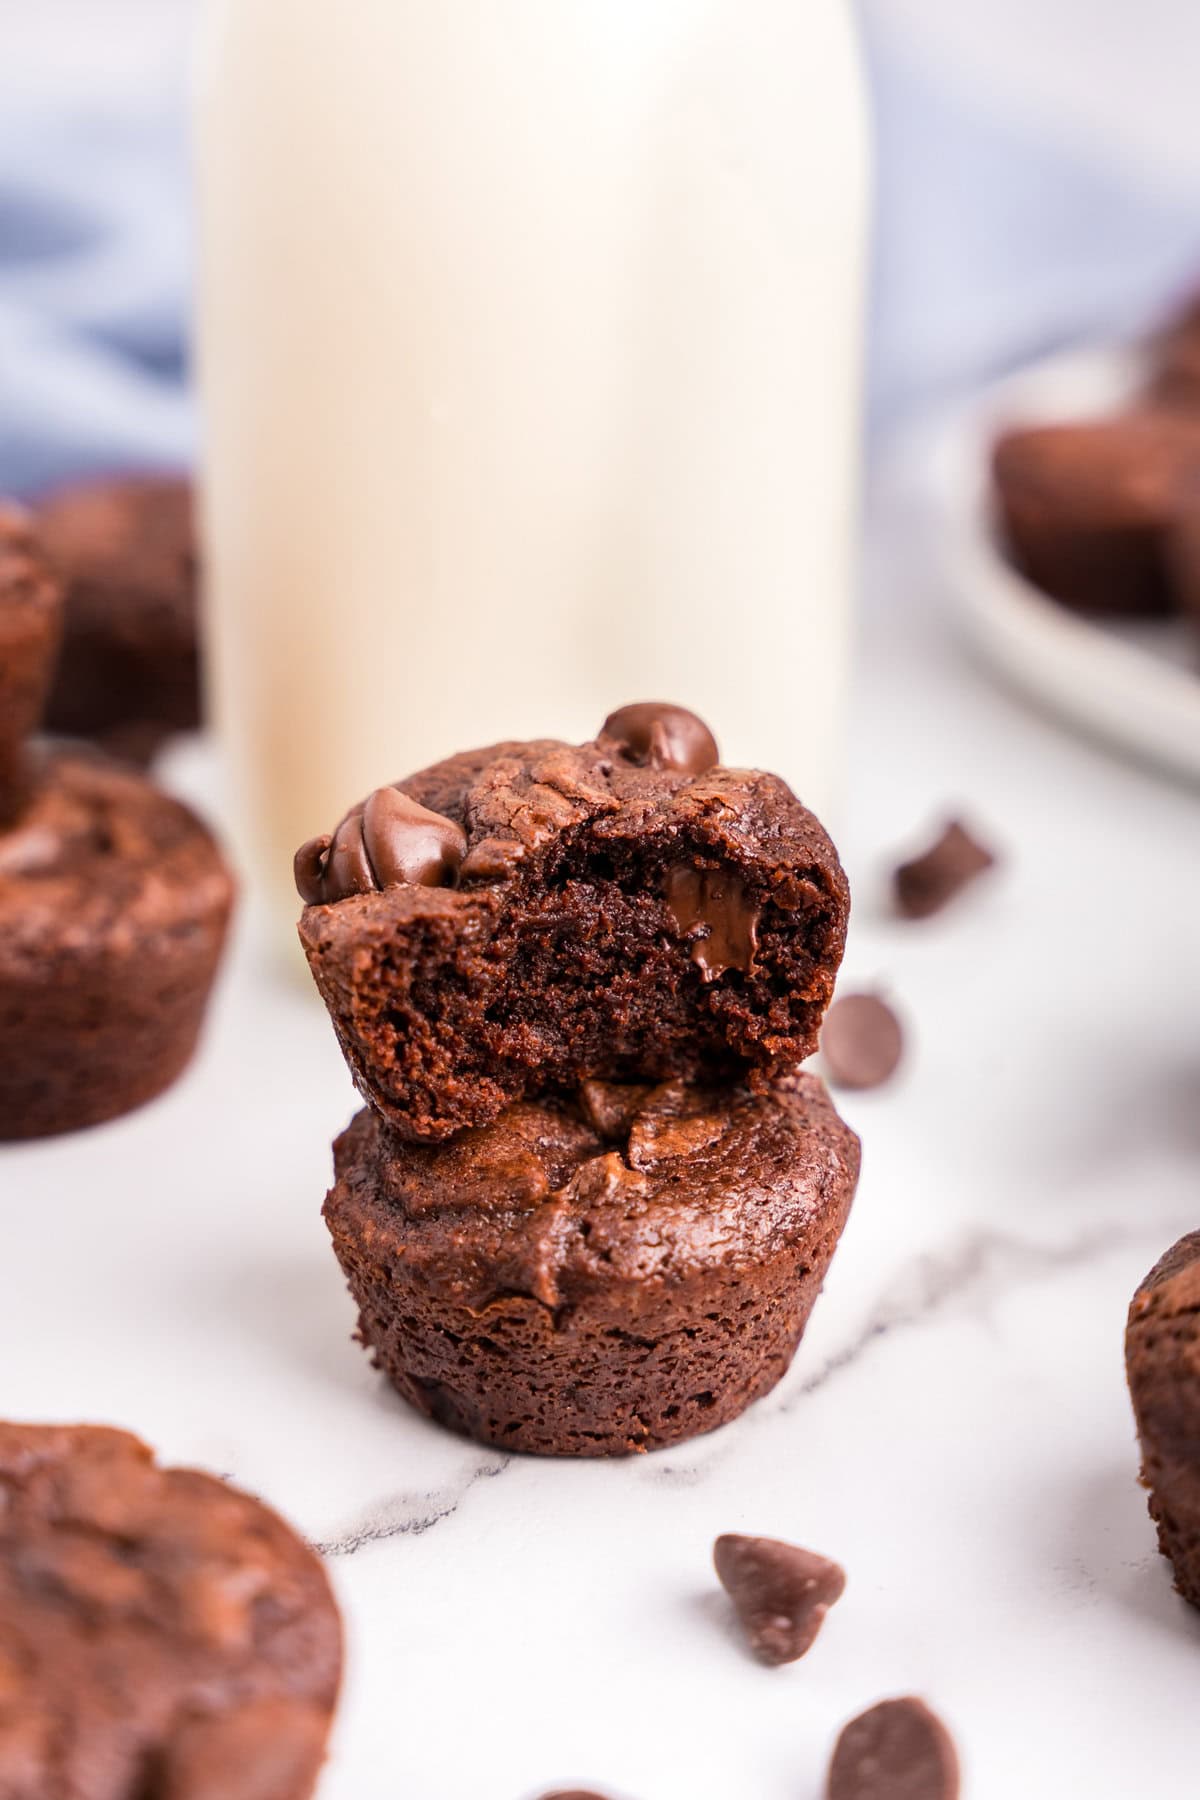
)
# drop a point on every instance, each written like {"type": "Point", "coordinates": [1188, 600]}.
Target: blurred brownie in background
{"type": "Point", "coordinates": [128, 672]}
{"type": "Point", "coordinates": [1174, 378]}
{"type": "Point", "coordinates": [1087, 506]}
{"type": "Point", "coordinates": [30, 623]}
{"type": "Point", "coordinates": [1183, 553]}
{"type": "Point", "coordinates": [161, 1633]}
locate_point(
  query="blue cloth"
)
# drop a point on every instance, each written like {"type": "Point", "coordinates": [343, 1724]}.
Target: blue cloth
{"type": "Point", "coordinates": [95, 274]}
{"type": "Point", "coordinates": [997, 242]}
{"type": "Point", "coordinates": [993, 243]}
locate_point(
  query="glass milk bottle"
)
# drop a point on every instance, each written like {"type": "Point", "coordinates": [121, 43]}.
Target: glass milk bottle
{"type": "Point", "coordinates": [529, 345]}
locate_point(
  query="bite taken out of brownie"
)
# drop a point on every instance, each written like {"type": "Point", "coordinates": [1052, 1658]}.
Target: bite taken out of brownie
{"type": "Point", "coordinates": [528, 916]}
{"type": "Point", "coordinates": [600, 1275]}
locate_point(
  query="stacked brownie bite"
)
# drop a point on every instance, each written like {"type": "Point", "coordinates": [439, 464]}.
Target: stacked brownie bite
{"type": "Point", "coordinates": [591, 1199]}
{"type": "Point", "coordinates": [128, 672]}
{"type": "Point", "coordinates": [114, 898]}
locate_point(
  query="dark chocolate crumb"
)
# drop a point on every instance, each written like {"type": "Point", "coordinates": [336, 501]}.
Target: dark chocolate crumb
{"type": "Point", "coordinates": [928, 882]}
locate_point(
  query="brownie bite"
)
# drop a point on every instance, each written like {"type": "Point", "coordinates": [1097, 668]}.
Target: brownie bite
{"type": "Point", "coordinates": [1086, 507]}
{"type": "Point", "coordinates": [521, 918]}
{"type": "Point", "coordinates": [609, 1273]}
{"type": "Point", "coordinates": [161, 1634]}
{"type": "Point", "coordinates": [1183, 554]}
{"type": "Point", "coordinates": [128, 673]}
{"type": "Point", "coordinates": [114, 902]}
{"type": "Point", "coordinates": [30, 626]}
{"type": "Point", "coordinates": [1174, 356]}
{"type": "Point", "coordinates": [1162, 1360]}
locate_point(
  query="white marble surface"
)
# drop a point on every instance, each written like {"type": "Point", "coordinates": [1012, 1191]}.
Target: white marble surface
{"type": "Point", "coordinates": [955, 1429]}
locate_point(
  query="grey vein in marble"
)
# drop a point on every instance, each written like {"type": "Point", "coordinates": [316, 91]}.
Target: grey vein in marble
{"type": "Point", "coordinates": [988, 1261]}
{"type": "Point", "coordinates": [920, 1291]}
{"type": "Point", "coordinates": [409, 1515]}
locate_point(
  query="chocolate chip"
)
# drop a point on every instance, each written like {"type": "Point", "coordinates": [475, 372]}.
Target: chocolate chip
{"type": "Point", "coordinates": [407, 842]}
{"type": "Point", "coordinates": [898, 1750]}
{"type": "Point", "coordinates": [716, 902]}
{"type": "Point", "coordinates": [308, 868]}
{"type": "Point", "coordinates": [927, 883]}
{"type": "Point", "coordinates": [386, 841]}
{"type": "Point", "coordinates": [862, 1041]}
{"type": "Point", "coordinates": [781, 1593]}
{"type": "Point", "coordinates": [347, 866]}
{"type": "Point", "coordinates": [660, 736]}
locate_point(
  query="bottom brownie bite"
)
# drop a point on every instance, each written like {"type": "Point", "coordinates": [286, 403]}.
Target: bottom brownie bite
{"type": "Point", "coordinates": [592, 1277]}
{"type": "Point", "coordinates": [114, 901]}
{"type": "Point", "coordinates": [1162, 1359]}
{"type": "Point", "coordinates": [162, 1636]}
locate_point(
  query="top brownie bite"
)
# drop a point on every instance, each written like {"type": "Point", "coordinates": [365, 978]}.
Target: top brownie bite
{"type": "Point", "coordinates": [128, 674]}
{"type": "Point", "coordinates": [522, 918]}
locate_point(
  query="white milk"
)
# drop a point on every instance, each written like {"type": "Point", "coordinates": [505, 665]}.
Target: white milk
{"type": "Point", "coordinates": [529, 345]}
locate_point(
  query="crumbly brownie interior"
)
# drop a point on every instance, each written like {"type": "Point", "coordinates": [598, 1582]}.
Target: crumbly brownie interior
{"type": "Point", "coordinates": [642, 958]}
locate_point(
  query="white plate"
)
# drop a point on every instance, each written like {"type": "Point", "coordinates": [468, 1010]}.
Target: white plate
{"type": "Point", "coordinates": [1135, 685]}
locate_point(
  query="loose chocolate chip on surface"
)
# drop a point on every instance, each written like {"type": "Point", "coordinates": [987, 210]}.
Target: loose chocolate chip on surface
{"type": "Point", "coordinates": [928, 882]}
{"type": "Point", "coordinates": [897, 1750]}
{"type": "Point", "coordinates": [862, 1041]}
{"type": "Point", "coordinates": [662, 736]}
{"type": "Point", "coordinates": [780, 1592]}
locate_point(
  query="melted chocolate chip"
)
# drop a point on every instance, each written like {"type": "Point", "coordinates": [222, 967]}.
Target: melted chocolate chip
{"type": "Point", "coordinates": [660, 736]}
{"type": "Point", "coordinates": [861, 1041]}
{"type": "Point", "coordinates": [715, 901]}
{"type": "Point", "coordinates": [781, 1593]}
{"type": "Point", "coordinates": [927, 883]}
{"type": "Point", "coordinates": [308, 870]}
{"type": "Point", "coordinates": [898, 1750]}
{"type": "Point", "coordinates": [387, 841]}
{"type": "Point", "coordinates": [347, 867]}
